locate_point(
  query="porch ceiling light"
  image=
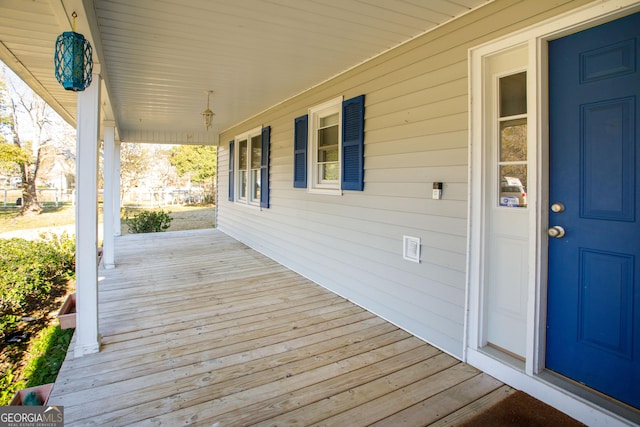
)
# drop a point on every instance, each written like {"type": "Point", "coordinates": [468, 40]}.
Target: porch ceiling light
{"type": "Point", "coordinates": [207, 114]}
{"type": "Point", "coordinates": [73, 60]}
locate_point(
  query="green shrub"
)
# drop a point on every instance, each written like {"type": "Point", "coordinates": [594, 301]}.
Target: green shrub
{"type": "Point", "coordinates": [64, 245]}
{"type": "Point", "coordinates": [149, 222]}
{"type": "Point", "coordinates": [32, 273]}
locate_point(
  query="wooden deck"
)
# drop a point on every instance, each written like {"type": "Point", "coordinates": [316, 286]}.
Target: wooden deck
{"type": "Point", "coordinates": [198, 329]}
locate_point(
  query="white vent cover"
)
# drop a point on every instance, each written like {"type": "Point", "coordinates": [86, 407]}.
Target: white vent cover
{"type": "Point", "coordinates": [411, 248]}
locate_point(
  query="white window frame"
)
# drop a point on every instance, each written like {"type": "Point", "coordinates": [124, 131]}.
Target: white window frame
{"type": "Point", "coordinates": [316, 113]}
{"type": "Point", "coordinates": [238, 174]}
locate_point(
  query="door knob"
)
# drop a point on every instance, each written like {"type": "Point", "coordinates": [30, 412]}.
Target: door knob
{"type": "Point", "coordinates": [557, 207]}
{"type": "Point", "coordinates": [556, 232]}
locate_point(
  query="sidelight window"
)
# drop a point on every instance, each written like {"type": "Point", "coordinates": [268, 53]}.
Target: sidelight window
{"type": "Point", "coordinates": [512, 146]}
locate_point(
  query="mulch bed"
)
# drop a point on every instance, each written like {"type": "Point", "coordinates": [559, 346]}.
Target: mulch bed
{"type": "Point", "coordinates": [520, 409]}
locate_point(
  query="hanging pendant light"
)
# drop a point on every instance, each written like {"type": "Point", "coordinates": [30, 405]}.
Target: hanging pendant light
{"type": "Point", "coordinates": [73, 60]}
{"type": "Point", "coordinates": [207, 114]}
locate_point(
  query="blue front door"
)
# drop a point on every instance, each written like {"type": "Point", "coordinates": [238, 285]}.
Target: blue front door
{"type": "Point", "coordinates": [593, 317]}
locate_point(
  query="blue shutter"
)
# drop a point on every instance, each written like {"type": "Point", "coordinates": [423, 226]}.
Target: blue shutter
{"type": "Point", "coordinates": [353, 144]}
{"type": "Point", "coordinates": [300, 151]}
{"type": "Point", "coordinates": [231, 167]}
{"type": "Point", "coordinates": [264, 167]}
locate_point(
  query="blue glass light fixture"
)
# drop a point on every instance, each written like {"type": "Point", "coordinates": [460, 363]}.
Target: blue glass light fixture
{"type": "Point", "coordinates": [73, 60]}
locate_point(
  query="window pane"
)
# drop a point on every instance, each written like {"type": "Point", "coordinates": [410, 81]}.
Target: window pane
{"type": "Point", "coordinates": [513, 140]}
{"type": "Point", "coordinates": [255, 181]}
{"type": "Point", "coordinates": [513, 181]}
{"type": "Point", "coordinates": [513, 95]}
{"type": "Point", "coordinates": [243, 184]}
{"type": "Point", "coordinates": [331, 120]}
{"type": "Point", "coordinates": [328, 155]}
{"type": "Point", "coordinates": [242, 154]}
{"type": "Point", "coordinates": [328, 136]}
{"type": "Point", "coordinates": [328, 172]}
{"type": "Point", "coordinates": [256, 151]}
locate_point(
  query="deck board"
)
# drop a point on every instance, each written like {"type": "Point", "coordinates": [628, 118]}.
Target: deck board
{"type": "Point", "coordinates": [198, 329]}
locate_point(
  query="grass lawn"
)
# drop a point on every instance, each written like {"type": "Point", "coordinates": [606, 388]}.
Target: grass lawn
{"type": "Point", "coordinates": [184, 218]}
{"type": "Point", "coordinates": [11, 220]}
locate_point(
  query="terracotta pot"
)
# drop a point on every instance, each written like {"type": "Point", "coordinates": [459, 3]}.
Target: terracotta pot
{"type": "Point", "coordinates": [42, 391]}
{"type": "Point", "coordinates": [67, 313]}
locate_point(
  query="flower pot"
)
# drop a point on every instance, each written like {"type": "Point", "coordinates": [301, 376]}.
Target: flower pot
{"type": "Point", "coordinates": [42, 391]}
{"type": "Point", "coordinates": [67, 313]}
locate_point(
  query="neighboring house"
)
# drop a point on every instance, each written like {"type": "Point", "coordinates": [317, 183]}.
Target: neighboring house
{"type": "Point", "coordinates": [466, 105]}
{"type": "Point", "coordinates": [384, 183]}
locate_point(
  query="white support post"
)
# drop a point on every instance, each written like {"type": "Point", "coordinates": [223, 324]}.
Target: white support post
{"type": "Point", "coordinates": [88, 131]}
{"type": "Point", "coordinates": [108, 242]}
{"type": "Point", "coordinates": [116, 190]}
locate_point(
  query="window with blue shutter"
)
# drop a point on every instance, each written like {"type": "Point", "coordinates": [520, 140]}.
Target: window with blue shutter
{"type": "Point", "coordinates": [264, 167]}
{"type": "Point", "coordinates": [231, 169]}
{"type": "Point", "coordinates": [249, 160]}
{"type": "Point", "coordinates": [300, 152]}
{"type": "Point", "coordinates": [329, 147]}
{"type": "Point", "coordinates": [353, 144]}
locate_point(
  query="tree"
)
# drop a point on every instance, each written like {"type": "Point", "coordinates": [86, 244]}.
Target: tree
{"type": "Point", "coordinates": [11, 155]}
{"type": "Point", "coordinates": [49, 135]}
{"type": "Point", "coordinates": [197, 160]}
{"type": "Point", "coordinates": [134, 163]}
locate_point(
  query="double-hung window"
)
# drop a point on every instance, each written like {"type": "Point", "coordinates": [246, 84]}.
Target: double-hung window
{"type": "Point", "coordinates": [249, 168]}
{"type": "Point", "coordinates": [329, 147]}
{"type": "Point", "coordinates": [326, 142]}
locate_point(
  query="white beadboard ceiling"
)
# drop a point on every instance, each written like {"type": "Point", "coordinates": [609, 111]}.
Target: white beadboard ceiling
{"type": "Point", "coordinates": [159, 57]}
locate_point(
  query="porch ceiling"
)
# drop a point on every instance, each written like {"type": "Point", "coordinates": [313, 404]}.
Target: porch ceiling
{"type": "Point", "coordinates": [159, 57]}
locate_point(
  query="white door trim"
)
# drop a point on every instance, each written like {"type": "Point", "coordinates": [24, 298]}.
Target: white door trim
{"type": "Point", "coordinates": [525, 377]}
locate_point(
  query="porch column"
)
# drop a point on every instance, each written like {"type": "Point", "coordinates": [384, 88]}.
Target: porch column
{"type": "Point", "coordinates": [116, 190]}
{"type": "Point", "coordinates": [108, 205]}
{"type": "Point", "coordinates": [88, 127]}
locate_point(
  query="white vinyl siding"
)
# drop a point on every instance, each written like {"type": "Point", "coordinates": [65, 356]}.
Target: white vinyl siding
{"type": "Point", "coordinates": [416, 133]}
